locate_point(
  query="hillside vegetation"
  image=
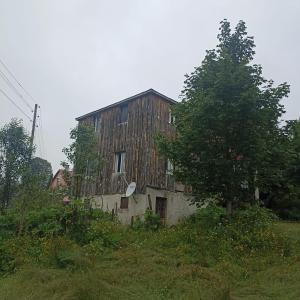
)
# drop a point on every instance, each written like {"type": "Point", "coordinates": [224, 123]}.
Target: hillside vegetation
{"type": "Point", "coordinates": [71, 252]}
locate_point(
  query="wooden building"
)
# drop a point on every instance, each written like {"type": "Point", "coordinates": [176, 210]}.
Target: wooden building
{"type": "Point", "coordinates": [126, 132]}
{"type": "Point", "coordinates": [59, 180]}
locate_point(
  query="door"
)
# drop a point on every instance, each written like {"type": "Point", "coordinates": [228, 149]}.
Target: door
{"type": "Point", "coordinates": [161, 207]}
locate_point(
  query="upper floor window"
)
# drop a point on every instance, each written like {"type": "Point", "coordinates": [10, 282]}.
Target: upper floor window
{"type": "Point", "coordinates": [169, 167]}
{"type": "Point", "coordinates": [123, 114]}
{"type": "Point", "coordinates": [171, 117]}
{"type": "Point", "coordinates": [96, 123]}
{"type": "Point", "coordinates": [120, 162]}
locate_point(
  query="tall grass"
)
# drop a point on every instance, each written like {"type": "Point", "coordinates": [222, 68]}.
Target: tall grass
{"type": "Point", "coordinates": [204, 257]}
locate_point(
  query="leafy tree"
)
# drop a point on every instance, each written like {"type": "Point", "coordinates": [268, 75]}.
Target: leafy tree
{"type": "Point", "coordinates": [33, 190]}
{"type": "Point", "coordinates": [294, 137]}
{"type": "Point", "coordinates": [227, 124]}
{"type": "Point", "coordinates": [15, 154]}
{"type": "Point", "coordinates": [41, 169]}
{"type": "Point", "coordinates": [84, 156]}
{"type": "Point", "coordinates": [283, 195]}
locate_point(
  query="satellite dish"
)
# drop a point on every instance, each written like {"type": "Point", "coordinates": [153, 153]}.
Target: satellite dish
{"type": "Point", "coordinates": [130, 189]}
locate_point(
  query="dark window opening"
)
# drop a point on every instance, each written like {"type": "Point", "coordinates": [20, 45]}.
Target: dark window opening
{"type": "Point", "coordinates": [124, 203]}
{"type": "Point", "coordinates": [161, 207]}
{"type": "Point", "coordinates": [120, 162]}
{"type": "Point", "coordinates": [124, 114]}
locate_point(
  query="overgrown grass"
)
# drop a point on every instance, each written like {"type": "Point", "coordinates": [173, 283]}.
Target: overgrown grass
{"type": "Point", "coordinates": [206, 257]}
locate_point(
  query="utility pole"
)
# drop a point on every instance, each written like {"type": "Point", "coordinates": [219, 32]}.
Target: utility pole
{"type": "Point", "coordinates": [33, 127]}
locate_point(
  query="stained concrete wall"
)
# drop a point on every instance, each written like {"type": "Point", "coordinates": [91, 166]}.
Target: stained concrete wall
{"type": "Point", "coordinates": [178, 205]}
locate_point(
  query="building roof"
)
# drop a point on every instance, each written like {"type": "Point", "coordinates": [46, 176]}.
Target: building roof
{"type": "Point", "coordinates": [150, 91]}
{"type": "Point", "coordinates": [59, 171]}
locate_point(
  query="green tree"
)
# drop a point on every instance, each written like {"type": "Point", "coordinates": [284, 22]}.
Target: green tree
{"type": "Point", "coordinates": [283, 194]}
{"type": "Point", "coordinates": [83, 155]}
{"type": "Point", "coordinates": [227, 124]}
{"type": "Point", "coordinates": [14, 159]}
{"type": "Point", "coordinates": [41, 170]}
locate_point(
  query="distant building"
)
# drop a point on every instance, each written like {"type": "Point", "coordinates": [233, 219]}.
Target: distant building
{"type": "Point", "coordinates": [58, 180]}
{"type": "Point", "coordinates": [126, 132]}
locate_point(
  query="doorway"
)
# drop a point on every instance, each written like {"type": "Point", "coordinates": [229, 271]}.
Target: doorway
{"type": "Point", "coordinates": [161, 207]}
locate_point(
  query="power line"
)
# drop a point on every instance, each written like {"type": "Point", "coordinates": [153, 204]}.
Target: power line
{"type": "Point", "coordinates": [15, 89]}
{"type": "Point", "coordinates": [19, 83]}
{"type": "Point", "coordinates": [15, 104]}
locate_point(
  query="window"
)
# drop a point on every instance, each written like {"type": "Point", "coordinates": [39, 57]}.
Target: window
{"type": "Point", "coordinates": [171, 117]}
{"type": "Point", "coordinates": [124, 203]}
{"type": "Point", "coordinates": [96, 123]}
{"type": "Point", "coordinates": [120, 162]}
{"type": "Point", "coordinates": [124, 114]}
{"type": "Point", "coordinates": [169, 167]}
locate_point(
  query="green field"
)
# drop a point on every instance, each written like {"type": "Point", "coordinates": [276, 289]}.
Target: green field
{"type": "Point", "coordinates": [153, 265]}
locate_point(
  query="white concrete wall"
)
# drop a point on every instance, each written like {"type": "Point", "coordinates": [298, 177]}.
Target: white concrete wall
{"type": "Point", "coordinates": [178, 206]}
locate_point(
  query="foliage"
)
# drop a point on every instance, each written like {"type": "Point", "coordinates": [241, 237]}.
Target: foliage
{"type": "Point", "coordinates": [250, 232]}
{"type": "Point", "coordinates": [283, 194]}
{"type": "Point", "coordinates": [227, 125]}
{"type": "Point", "coordinates": [15, 152]}
{"type": "Point", "coordinates": [150, 221]}
{"type": "Point", "coordinates": [41, 170]}
{"type": "Point", "coordinates": [208, 256]}
{"type": "Point", "coordinates": [54, 236]}
{"type": "Point", "coordinates": [7, 260]}
{"type": "Point", "coordinates": [84, 156]}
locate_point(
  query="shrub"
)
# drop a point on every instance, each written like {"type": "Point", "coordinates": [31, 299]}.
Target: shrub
{"type": "Point", "coordinates": [8, 225]}
{"type": "Point", "coordinates": [150, 221]}
{"type": "Point", "coordinates": [73, 220]}
{"type": "Point", "coordinates": [7, 260]}
{"type": "Point", "coordinates": [53, 236]}
{"type": "Point", "coordinates": [208, 217]}
{"type": "Point", "coordinates": [44, 222]}
{"type": "Point", "coordinates": [105, 232]}
{"type": "Point", "coordinates": [249, 232]}
{"type": "Point", "coordinates": [292, 214]}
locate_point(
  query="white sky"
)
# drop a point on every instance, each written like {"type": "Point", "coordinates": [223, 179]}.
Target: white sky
{"type": "Point", "coordinates": [75, 56]}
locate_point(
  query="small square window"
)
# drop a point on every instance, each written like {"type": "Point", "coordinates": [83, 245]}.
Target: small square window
{"type": "Point", "coordinates": [124, 203]}
{"type": "Point", "coordinates": [120, 162]}
{"type": "Point", "coordinates": [123, 114]}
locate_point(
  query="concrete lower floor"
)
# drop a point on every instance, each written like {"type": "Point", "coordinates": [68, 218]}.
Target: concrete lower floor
{"type": "Point", "coordinates": [171, 206]}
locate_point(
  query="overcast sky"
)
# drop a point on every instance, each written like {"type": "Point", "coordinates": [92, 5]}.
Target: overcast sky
{"type": "Point", "coordinates": [77, 56]}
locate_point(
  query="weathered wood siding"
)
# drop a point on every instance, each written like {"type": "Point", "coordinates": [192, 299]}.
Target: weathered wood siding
{"type": "Point", "coordinates": [147, 116]}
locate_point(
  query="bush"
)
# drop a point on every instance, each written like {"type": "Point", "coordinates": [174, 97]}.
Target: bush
{"type": "Point", "coordinates": [8, 224]}
{"type": "Point", "coordinates": [73, 220]}
{"type": "Point", "coordinates": [7, 260]}
{"type": "Point", "coordinates": [152, 220]}
{"type": "Point", "coordinates": [106, 232]}
{"type": "Point", "coordinates": [249, 232]}
{"type": "Point", "coordinates": [53, 235]}
{"type": "Point", "coordinates": [62, 252]}
{"type": "Point", "coordinates": [209, 217]}
{"type": "Point", "coordinates": [44, 222]}
{"type": "Point", "coordinates": [149, 221]}
{"type": "Point", "coordinates": [292, 214]}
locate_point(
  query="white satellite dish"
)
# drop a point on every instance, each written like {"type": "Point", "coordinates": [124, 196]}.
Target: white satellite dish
{"type": "Point", "coordinates": [130, 189]}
